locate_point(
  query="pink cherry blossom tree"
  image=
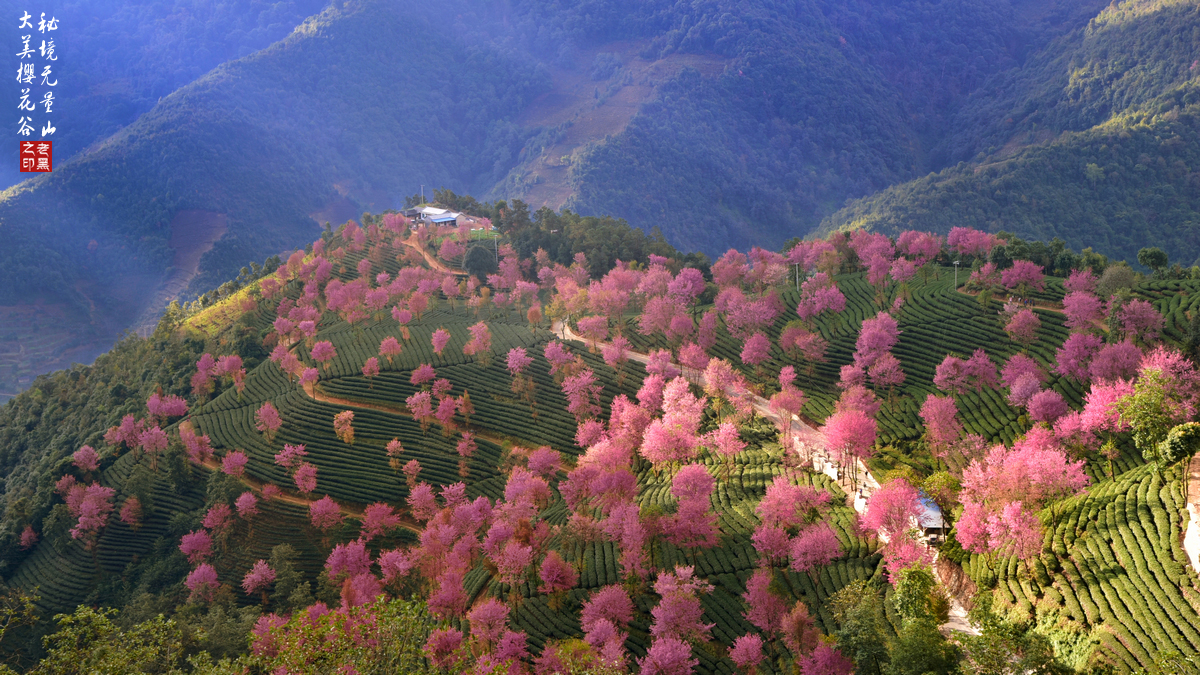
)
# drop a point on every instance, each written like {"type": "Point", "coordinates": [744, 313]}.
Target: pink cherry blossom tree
{"type": "Point", "coordinates": [1073, 358]}
{"type": "Point", "coordinates": [246, 505]}
{"type": "Point", "coordinates": [323, 352]}
{"type": "Point", "coordinates": [957, 376]}
{"type": "Point", "coordinates": [678, 613]}
{"type": "Point", "coordinates": [694, 525]}
{"type": "Point", "coordinates": [390, 348]}
{"type": "Point", "coordinates": [892, 513]}
{"type": "Point", "coordinates": [559, 357]}
{"type": "Point", "coordinates": [480, 344]}
{"type": "Point", "coordinates": [93, 511]}
{"type": "Point", "coordinates": [1081, 280]}
{"type": "Point", "coordinates": [234, 463]}
{"type": "Point", "coordinates": [886, 372]}
{"type": "Point", "coordinates": [813, 547]}
{"type": "Point", "coordinates": [305, 477]}
{"type": "Point", "coordinates": [1046, 406]}
{"type": "Point", "coordinates": [1083, 310]}
{"type": "Point", "coordinates": [668, 656]}
{"type": "Point", "coordinates": [583, 395]}
{"type": "Point", "coordinates": [196, 546]}
{"type": "Point", "coordinates": [343, 426]}
{"type": "Point", "coordinates": [942, 428]}
{"type": "Point", "coordinates": [131, 512]}
{"type": "Point", "coordinates": [267, 420]}
{"type": "Point", "coordinates": [969, 241]}
{"type": "Point", "coordinates": [162, 407]}
{"type": "Point", "coordinates": [1025, 387]}
{"type": "Point", "coordinates": [765, 608]}
{"type": "Point", "coordinates": [1115, 361]}
{"type": "Point", "coordinates": [258, 579]}
{"type": "Point", "coordinates": [878, 335]}
{"type": "Point", "coordinates": [819, 295]}
{"type": "Point", "coordinates": [921, 246]}
{"type": "Point", "coordinates": [29, 538]}
{"type": "Point", "coordinates": [850, 434]}
{"type": "Point", "coordinates": [825, 659]}
{"type": "Point", "coordinates": [1023, 328]}
{"type": "Point", "coordinates": [325, 513]}
{"type": "Point", "coordinates": [594, 329]}
{"type": "Point", "coordinates": [153, 442]}
{"type": "Point", "coordinates": [756, 349]}
{"type": "Point", "coordinates": [218, 518]}
{"type": "Point", "coordinates": [439, 340]}
{"type": "Point", "coordinates": [1020, 365]}
{"type": "Point", "coordinates": [377, 519]}
{"type": "Point", "coordinates": [420, 406]}
{"type": "Point", "coordinates": [370, 369]}
{"type": "Point", "coordinates": [747, 653]}
{"type": "Point", "coordinates": [86, 459]}
{"type": "Point", "coordinates": [1023, 277]}
{"type": "Point", "coordinates": [1002, 492]}
{"type": "Point", "coordinates": [1140, 321]}
{"type": "Point", "coordinates": [203, 583]}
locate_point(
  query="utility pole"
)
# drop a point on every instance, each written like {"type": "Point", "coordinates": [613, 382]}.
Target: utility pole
{"type": "Point", "coordinates": [956, 262]}
{"type": "Point", "coordinates": [422, 194]}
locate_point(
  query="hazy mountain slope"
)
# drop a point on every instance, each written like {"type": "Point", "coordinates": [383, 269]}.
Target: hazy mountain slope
{"type": "Point", "coordinates": [350, 102]}
{"type": "Point", "coordinates": [288, 123]}
{"type": "Point", "coordinates": [826, 102]}
{"type": "Point", "coordinates": [1117, 93]}
{"type": "Point", "coordinates": [1129, 53]}
{"type": "Point", "coordinates": [116, 59]}
{"type": "Point", "coordinates": [1144, 189]}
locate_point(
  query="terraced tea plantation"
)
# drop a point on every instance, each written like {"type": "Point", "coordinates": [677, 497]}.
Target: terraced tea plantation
{"type": "Point", "coordinates": [934, 321]}
{"type": "Point", "coordinates": [359, 474]}
{"type": "Point", "coordinates": [1117, 577]}
{"type": "Point", "coordinates": [396, 455]}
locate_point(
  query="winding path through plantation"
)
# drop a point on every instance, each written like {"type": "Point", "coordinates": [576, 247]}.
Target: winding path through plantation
{"type": "Point", "coordinates": [809, 442]}
{"type": "Point", "coordinates": [806, 439]}
{"type": "Point", "coordinates": [433, 262]}
{"type": "Point", "coordinates": [312, 392]}
{"type": "Point", "coordinates": [351, 510]}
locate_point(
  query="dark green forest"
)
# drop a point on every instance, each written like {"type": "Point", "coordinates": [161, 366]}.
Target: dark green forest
{"type": "Point", "coordinates": [1128, 55]}
{"type": "Point", "coordinates": [1121, 186]}
{"type": "Point", "coordinates": [824, 103]}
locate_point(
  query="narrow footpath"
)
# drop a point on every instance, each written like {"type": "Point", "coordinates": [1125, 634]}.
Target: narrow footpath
{"type": "Point", "coordinates": [809, 443]}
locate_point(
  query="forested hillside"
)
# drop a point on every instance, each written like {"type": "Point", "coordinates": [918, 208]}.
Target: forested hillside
{"type": "Point", "coordinates": [1123, 185]}
{"type": "Point", "coordinates": [1128, 55]}
{"type": "Point", "coordinates": [565, 462]}
{"type": "Point", "coordinates": [829, 102]}
{"type": "Point", "coordinates": [1091, 139]}
{"type": "Point", "coordinates": [789, 111]}
{"type": "Point", "coordinates": [366, 101]}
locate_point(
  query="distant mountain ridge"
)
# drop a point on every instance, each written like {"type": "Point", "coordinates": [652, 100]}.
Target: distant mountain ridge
{"type": "Point", "coordinates": [1091, 140]}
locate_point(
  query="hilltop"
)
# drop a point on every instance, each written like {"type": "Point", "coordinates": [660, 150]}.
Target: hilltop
{"type": "Point", "coordinates": [641, 452]}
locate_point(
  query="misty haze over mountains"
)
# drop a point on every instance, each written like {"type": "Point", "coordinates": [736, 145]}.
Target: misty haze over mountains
{"type": "Point", "coordinates": [195, 138]}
